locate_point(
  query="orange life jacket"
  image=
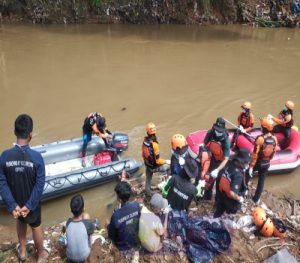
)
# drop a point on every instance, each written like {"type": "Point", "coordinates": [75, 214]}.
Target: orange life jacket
{"type": "Point", "coordinates": [224, 184]}
{"type": "Point", "coordinates": [268, 148]}
{"type": "Point", "coordinates": [148, 153]}
{"type": "Point", "coordinates": [245, 120]}
{"type": "Point", "coordinates": [204, 159]}
{"type": "Point", "coordinates": [216, 150]}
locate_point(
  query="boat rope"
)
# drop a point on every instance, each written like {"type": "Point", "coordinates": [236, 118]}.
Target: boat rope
{"type": "Point", "coordinates": [85, 176]}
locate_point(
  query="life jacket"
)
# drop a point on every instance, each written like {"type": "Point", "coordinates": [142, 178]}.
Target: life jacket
{"type": "Point", "coordinates": [177, 166]}
{"type": "Point", "coordinates": [226, 178]}
{"type": "Point", "coordinates": [245, 120]}
{"type": "Point", "coordinates": [282, 116]}
{"type": "Point", "coordinates": [268, 148]}
{"type": "Point", "coordinates": [224, 184]}
{"type": "Point", "coordinates": [204, 158]}
{"type": "Point", "coordinates": [148, 153]}
{"type": "Point", "coordinates": [216, 150]}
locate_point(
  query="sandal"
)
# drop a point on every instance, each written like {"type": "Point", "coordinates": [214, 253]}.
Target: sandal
{"type": "Point", "coordinates": [21, 258]}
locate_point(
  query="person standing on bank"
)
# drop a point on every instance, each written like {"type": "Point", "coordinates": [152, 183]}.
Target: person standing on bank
{"type": "Point", "coordinates": [22, 180]}
{"type": "Point", "coordinates": [218, 142]}
{"type": "Point", "coordinates": [263, 152]}
{"type": "Point", "coordinates": [151, 156]}
{"type": "Point", "coordinates": [93, 123]}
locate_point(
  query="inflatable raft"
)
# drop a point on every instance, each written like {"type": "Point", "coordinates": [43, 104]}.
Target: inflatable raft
{"type": "Point", "coordinates": [284, 160]}
{"type": "Point", "coordinates": [64, 171]}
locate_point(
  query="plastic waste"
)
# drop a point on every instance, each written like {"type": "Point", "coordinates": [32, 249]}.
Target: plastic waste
{"type": "Point", "coordinates": [245, 221]}
{"type": "Point", "coordinates": [282, 256]}
{"type": "Point", "coordinates": [200, 188]}
{"type": "Point", "coordinates": [62, 240]}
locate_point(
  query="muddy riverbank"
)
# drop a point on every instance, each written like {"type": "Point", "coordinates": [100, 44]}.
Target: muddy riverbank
{"type": "Point", "coordinates": [203, 12]}
{"type": "Point", "coordinates": [245, 247]}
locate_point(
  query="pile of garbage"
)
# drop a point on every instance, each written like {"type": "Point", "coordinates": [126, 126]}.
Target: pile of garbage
{"type": "Point", "coordinates": [267, 13]}
{"type": "Point", "coordinates": [247, 244]}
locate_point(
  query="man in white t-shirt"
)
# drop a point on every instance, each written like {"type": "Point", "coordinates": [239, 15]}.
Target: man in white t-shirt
{"type": "Point", "coordinates": [151, 229]}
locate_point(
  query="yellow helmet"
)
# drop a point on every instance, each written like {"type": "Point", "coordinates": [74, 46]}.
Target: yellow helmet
{"type": "Point", "coordinates": [266, 123]}
{"type": "Point", "coordinates": [290, 105]}
{"type": "Point", "coordinates": [246, 105]}
{"type": "Point", "coordinates": [150, 128]}
{"type": "Point", "coordinates": [178, 141]}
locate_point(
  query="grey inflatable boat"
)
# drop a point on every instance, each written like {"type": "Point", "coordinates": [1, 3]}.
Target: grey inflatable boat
{"type": "Point", "coordinates": [64, 171]}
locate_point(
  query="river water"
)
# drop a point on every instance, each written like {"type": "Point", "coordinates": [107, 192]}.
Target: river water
{"type": "Point", "coordinates": [180, 77]}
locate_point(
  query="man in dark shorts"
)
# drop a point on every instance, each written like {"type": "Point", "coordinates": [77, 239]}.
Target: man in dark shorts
{"type": "Point", "coordinates": [22, 179]}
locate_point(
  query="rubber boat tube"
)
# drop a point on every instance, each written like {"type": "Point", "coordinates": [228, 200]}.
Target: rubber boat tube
{"type": "Point", "coordinates": [284, 160]}
{"type": "Point", "coordinates": [65, 174]}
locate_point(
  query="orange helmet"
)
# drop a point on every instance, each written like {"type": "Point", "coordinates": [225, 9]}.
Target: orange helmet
{"type": "Point", "coordinates": [268, 228]}
{"type": "Point", "coordinates": [151, 128]}
{"type": "Point", "coordinates": [246, 105]}
{"type": "Point", "coordinates": [266, 123]}
{"type": "Point", "coordinates": [178, 141]}
{"type": "Point", "coordinates": [290, 105]}
{"type": "Point", "coordinates": [259, 216]}
{"type": "Point", "coordinates": [279, 228]}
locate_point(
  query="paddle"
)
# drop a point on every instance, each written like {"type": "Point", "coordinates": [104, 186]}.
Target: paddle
{"type": "Point", "coordinates": [235, 126]}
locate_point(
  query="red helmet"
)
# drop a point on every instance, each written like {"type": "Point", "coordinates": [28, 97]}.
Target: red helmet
{"type": "Point", "coordinates": [150, 128]}
{"type": "Point", "coordinates": [290, 105]}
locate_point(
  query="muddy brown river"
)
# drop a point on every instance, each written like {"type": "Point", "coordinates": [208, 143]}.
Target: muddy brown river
{"type": "Point", "coordinates": [180, 77]}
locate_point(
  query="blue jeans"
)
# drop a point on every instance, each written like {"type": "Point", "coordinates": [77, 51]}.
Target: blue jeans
{"type": "Point", "coordinates": [87, 137]}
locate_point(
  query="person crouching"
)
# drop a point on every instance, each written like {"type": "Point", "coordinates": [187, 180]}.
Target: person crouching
{"type": "Point", "coordinates": [231, 184]}
{"type": "Point", "coordinates": [152, 228]}
{"type": "Point", "coordinates": [79, 229]}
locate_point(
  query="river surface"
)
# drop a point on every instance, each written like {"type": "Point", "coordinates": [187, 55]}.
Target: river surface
{"type": "Point", "coordinates": [180, 77]}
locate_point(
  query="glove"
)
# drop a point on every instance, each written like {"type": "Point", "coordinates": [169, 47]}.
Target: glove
{"type": "Point", "coordinates": [181, 161]}
{"type": "Point", "coordinates": [214, 173]}
{"type": "Point", "coordinates": [167, 209]}
{"type": "Point", "coordinates": [241, 200]}
{"type": "Point", "coordinates": [250, 172]}
{"type": "Point", "coordinates": [242, 129]}
{"type": "Point", "coordinates": [168, 162]}
{"type": "Point", "coordinates": [200, 188]}
{"type": "Point", "coordinates": [270, 116]}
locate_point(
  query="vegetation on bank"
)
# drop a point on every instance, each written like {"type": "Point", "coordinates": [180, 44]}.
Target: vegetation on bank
{"type": "Point", "coordinates": [142, 11]}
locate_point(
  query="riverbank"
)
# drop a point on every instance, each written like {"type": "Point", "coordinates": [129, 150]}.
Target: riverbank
{"type": "Point", "coordinates": [245, 247]}
{"type": "Point", "coordinates": [202, 12]}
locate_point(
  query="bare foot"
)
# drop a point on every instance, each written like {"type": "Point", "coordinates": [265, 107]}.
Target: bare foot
{"type": "Point", "coordinates": [43, 256]}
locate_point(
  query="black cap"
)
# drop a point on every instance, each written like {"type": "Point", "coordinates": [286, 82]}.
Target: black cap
{"type": "Point", "coordinates": [243, 156]}
{"type": "Point", "coordinates": [220, 122]}
{"type": "Point", "coordinates": [190, 167]}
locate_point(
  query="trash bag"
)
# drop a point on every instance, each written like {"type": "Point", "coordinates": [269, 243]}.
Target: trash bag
{"type": "Point", "coordinates": [197, 254]}
{"type": "Point", "coordinates": [212, 236]}
{"type": "Point", "coordinates": [176, 222]}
